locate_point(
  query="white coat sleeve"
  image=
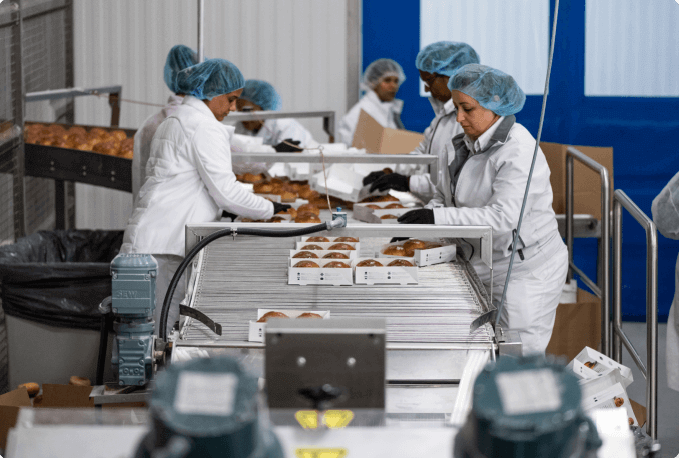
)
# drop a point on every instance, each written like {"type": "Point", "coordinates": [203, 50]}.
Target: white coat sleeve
{"type": "Point", "coordinates": [291, 128]}
{"type": "Point", "coordinates": [439, 199]}
{"type": "Point", "coordinates": [212, 155]}
{"type": "Point", "coordinates": [507, 190]}
{"type": "Point", "coordinates": [420, 181]}
{"type": "Point", "coordinates": [138, 172]}
{"type": "Point", "coordinates": [347, 125]}
{"type": "Point", "coordinates": [665, 209]}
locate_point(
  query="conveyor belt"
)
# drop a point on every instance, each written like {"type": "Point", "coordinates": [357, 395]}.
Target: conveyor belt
{"type": "Point", "coordinates": [238, 276]}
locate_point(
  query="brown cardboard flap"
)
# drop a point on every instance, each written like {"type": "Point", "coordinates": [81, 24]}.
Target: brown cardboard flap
{"type": "Point", "coordinates": [66, 396]}
{"type": "Point", "coordinates": [576, 326]}
{"type": "Point", "coordinates": [376, 139]}
{"type": "Point", "coordinates": [16, 398]}
{"type": "Point", "coordinates": [639, 412]}
{"type": "Point", "coordinates": [586, 182]}
{"type": "Point", "coordinates": [10, 404]}
{"type": "Point", "coordinates": [368, 133]}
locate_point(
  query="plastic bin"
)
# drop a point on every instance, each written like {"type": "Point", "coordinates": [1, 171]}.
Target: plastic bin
{"type": "Point", "coordinates": [51, 284]}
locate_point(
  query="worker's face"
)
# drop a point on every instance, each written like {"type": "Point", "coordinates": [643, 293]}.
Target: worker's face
{"type": "Point", "coordinates": [224, 104]}
{"type": "Point", "coordinates": [473, 118]}
{"type": "Point", "coordinates": [247, 106]}
{"type": "Point", "coordinates": [436, 85]}
{"type": "Point", "coordinates": [387, 88]}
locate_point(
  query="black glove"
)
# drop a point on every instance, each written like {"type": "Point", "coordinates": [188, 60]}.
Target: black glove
{"type": "Point", "coordinates": [286, 146]}
{"type": "Point", "coordinates": [371, 177]}
{"type": "Point", "coordinates": [277, 208]}
{"type": "Point", "coordinates": [398, 239]}
{"type": "Point", "coordinates": [394, 181]}
{"type": "Point", "coordinates": [226, 214]}
{"type": "Point", "coordinates": [420, 216]}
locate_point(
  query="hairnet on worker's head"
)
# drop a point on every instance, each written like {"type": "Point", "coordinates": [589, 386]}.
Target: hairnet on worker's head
{"type": "Point", "coordinates": [379, 69]}
{"type": "Point", "coordinates": [445, 57]}
{"type": "Point", "coordinates": [261, 93]}
{"type": "Point", "coordinates": [493, 89]}
{"type": "Point", "coordinates": [209, 79]}
{"type": "Point", "coordinates": [179, 58]}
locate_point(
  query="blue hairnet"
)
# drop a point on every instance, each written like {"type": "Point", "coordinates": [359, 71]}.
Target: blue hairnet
{"type": "Point", "coordinates": [445, 57]}
{"type": "Point", "coordinates": [263, 94]}
{"type": "Point", "coordinates": [210, 79]}
{"type": "Point", "coordinates": [381, 68]}
{"type": "Point", "coordinates": [493, 89]}
{"type": "Point", "coordinates": [178, 59]}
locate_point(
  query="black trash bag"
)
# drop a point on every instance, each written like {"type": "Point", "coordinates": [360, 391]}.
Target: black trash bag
{"type": "Point", "coordinates": [58, 278]}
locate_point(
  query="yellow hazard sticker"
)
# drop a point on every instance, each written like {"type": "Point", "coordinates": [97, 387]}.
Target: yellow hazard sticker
{"type": "Point", "coordinates": [321, 452]}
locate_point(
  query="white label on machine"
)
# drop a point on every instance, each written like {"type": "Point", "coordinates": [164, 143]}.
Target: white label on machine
{"type": "Point", "coordinates": [529, 392]}
{"type": "Point", "coordinates": [205, 394]}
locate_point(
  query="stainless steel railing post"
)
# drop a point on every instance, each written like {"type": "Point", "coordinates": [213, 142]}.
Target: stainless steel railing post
{"type": "Point", "coordinates": [602, 287]}
{"type": "Point", "coordinates": [620, 200]}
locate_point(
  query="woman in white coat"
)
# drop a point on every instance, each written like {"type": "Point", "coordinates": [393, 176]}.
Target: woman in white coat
{"type": "Point", "coordinates": [189, 177]}
{"type": "Point", "coordinates": [488, 166]}
{"type": "Point", "coordinates": [665, 211]}
{"type": "Point", "coordinates": [178, 59]}
{"type": "Point", "coordinates": [259, 95]}
{"type": "Point", "coordinates": [381, 81]}
{"type": "Point", "coordinates": [436, 63]}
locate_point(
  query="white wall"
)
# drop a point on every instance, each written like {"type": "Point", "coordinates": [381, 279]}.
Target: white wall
{"type": "Point", "coordinates": [297, 45]}
{"type": "Point", "coordinates": [512, 36]}
{"type": "Point", "coordinates": [631, 48]}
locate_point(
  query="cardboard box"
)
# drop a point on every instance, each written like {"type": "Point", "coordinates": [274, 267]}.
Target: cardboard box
{"type": "Point", "coordinates": [586, 182]}
{"type": "Point", "coordinates": [576, 326]}
{"type": "Point", "coordinates": [10, 403]}
{"type": "Point", "coordinates": [257, 330]}
{"type": "Point", "coordinates": [614, 397]}
{"type": "Point", "coordinates": [383, 140]}
{"type": "Point", "coordinates": [602, 364]}
{"type": "Point", "coordinates": [393, 275]}
{"type": "Point", "coordinates": [342, 182]}
{"type": "Point", "coordinates": [445, 253]}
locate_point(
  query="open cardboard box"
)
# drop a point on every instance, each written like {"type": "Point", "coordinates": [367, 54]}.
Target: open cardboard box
{"type": "Point", "coordinates": [376, 139]}
{"type": "Point", "coordinates": [586, 182]}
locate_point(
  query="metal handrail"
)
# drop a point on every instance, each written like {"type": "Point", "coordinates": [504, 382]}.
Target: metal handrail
{"type": "Point", "coordinates": [620, 200]}
{"type": "Point", "coordinates": [602, 288]}
{"type": "Point", "coordinates": [328, 118]}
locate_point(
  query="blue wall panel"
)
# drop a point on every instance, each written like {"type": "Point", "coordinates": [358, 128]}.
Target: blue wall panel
{"type": "Point", "coordinates": [642, 131]}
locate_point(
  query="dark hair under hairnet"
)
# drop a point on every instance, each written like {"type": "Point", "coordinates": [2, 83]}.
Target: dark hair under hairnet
{"type": "Point", "coordinates": [179, 58]}
{"type": "Point", "coordinates": [445, 57]}
{"type": "Point", "coordinates": [261, 93]}
{"type": "Point", "coordinates": [493, 89]}
{"type": "Point", "coordinates": [210, 79]}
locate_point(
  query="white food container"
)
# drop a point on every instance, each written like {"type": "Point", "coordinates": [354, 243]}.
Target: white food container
{"type": "Point", "coordinates": [385, 275]}
{"type": "Point", "coordinates": [600, 363]}
{"type": "Point", "coordinates": [257, 330]}
{"type": "Point", "coordinates": [320, 276]}
{"type": "Point", "coordinates": [320, 253]}
{"type": "Point", "coordinates": [431, 256]}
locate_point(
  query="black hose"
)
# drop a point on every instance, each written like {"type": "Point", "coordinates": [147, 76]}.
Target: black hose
{"type": "Point", "coordinates": [162, 326]}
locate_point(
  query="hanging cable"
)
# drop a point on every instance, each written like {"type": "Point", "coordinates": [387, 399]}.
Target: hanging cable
{"type": "Point", "coordinates": [532, 165]}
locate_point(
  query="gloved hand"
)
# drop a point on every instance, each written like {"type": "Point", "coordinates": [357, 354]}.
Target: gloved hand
{"type": "Point", "coordinates": [394, 181]}
{"type": "Point", "coordinates": [226, 214]}
{"type": "Point", "coordinates": [286, 146]}
{"type": "Point", "coordinates": [277, 208]}
{"type": "Point", "coordinates": [419, 216]}
{"type": "Point", "coordinates": [398, 239]}
{"type": "Point", "coordinates": [372, 176]}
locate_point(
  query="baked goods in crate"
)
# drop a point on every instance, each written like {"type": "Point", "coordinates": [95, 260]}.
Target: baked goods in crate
{"type": "Point", "coordinates": [369, 263]}
{"type": "Point", "coordinates": [268, 315]}
{"type": "Point", "coordinates": [305, 255]}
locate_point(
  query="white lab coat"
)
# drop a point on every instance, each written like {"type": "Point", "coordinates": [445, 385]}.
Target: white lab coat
{"type": "Point", "coordinates": [436, 138]}
{"type": "Point", "coordinates": [272, 133]}
{"type": "Point", "coordinates": [489, 191]}
{"type": "Point", "coordinates": [189, 180]}
{"type": "Point", "coordinates": [384, 113]}
{"type": "Point", "coordinates": [142, 142]}
{"type": "Point", "coordinates": [665, 210]}
{"type": "Point", "coordinates": [275, 131]}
